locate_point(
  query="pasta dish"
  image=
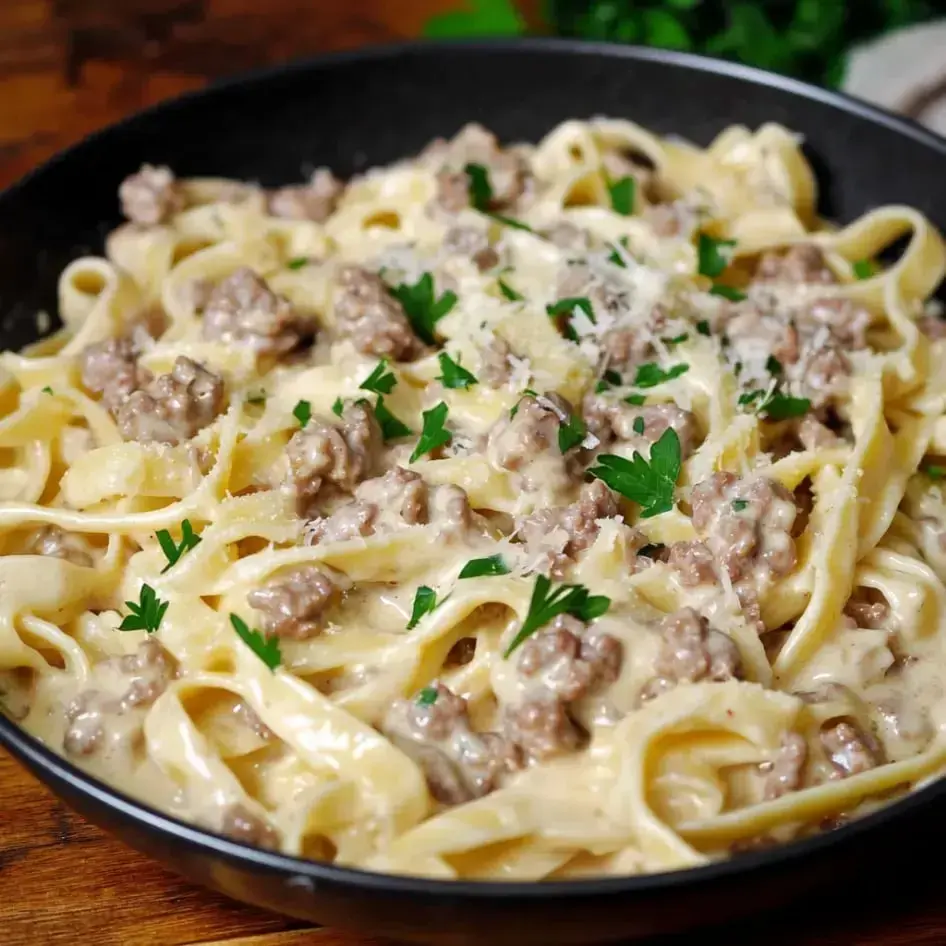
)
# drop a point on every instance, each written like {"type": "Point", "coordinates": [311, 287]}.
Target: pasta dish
{"type": "Point", "coordinates": [509, 512]}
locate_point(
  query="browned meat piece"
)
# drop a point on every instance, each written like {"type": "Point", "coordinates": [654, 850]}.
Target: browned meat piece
{"type": "Point", "coordinates": [110, 368]}
{"type": "Point", "coordinates": [803, 263]}
{"type": "Point", "coordinates": [350, 521]}
{"type": "Point", "coordinates": [569, 659]}
{"type": "Point", "coordinates": [434, 730]}
{"type": "Point", "coordinates": [495, 369]}
{"type": "Point", "coordinates": [462, 652]}
{"type": "Point", "coordinates": [243, 310]}
{"type": "Point", "coordinates": [849, 749]}
{"type": "Point", "coordinates": [932, 326]}
{"type": "Point", "coordinates": [372, 318]}
{"type": "Point", "coordinates": [527, 443]}
{"type": "Point", "coordinates": [341, 455]}
{"type": "Point", "coordinates": [693, 562]}
{"type": "Point", "coordinates": [566, 236]}
{"type": "Point", "coordinates": [315, 200]}
{"type": "Point", "coordinates": [240, 824]}
{"type": "Point", "coordinates": [173, 407]}
{"type": "Point", "coordinates": [784, 775]}
{"type": "Point", "coordinates": [868, 608]}
{"type": "Point", "coordinates": [610, 421]}
{"type": "Point", "coordinates": [624, 349]}
{"type": "Point", "coordinates": [294, 603]}
{"type": "Point", "coordinates": [541, 728]}
{"type": "Point", "coordinates": [52, 541]}
{"type": "Point", "coordinates": [508, 170]}
{"type": "Point", "coordinates": [846, 320]}
{"type": "Point", "coordinates": [151, 196]}
{"type": "Point", "coordinates": [108, 716]}
{"type": "Point", "coordinates": [816, 436]}
{"type": "Point", "coordinates": [746, 524]}
{"type": "Point", "coordinates": [473, 243]}
{"type": "Point", "coordinates": [577, 520]}
{"type": "Point", "coordinates": [400, 492]}
{"type": "Point", "coordinates": [672, 220]}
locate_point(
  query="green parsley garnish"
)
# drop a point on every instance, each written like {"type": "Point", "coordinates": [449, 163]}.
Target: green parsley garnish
{"type": "Point", "coordinates": [739, 504]}
{"type": "Point", "coordinates": [425, 601]}
{"type": "Point", "coordinates": [483, 567]}
{"type": "Point", "coordinates": [528, 392]}
{"type": "Point", "coordinates": [173, 551]}
{"type": "Point", "coordinates": [933, 471]}
{"type": "Point", "coordinates": [622, 193]}
{"type": "Point", "coordinates": [512, 222]}
{"type": "Point", "coordinates": [391, 427]}
{"type": "Point", "coordinates": [703, 327]}
{"type": "Point", "coordinates": [380, 381]}
{"type": "Point", "coordinates": [47, 390]}
{"type": "Point", "coordinates": [638, 425]}
{"type": "Point", "coordinates": [714, 255]}
{"type": "Point", "coordinates": [509, 292]}
{"type": "Point", "coordinates": [615, 257]}
{"type": "Point", "coordinates": [434, 434]}
{"type": "Point", "coordinates": [651, 483]}
{"type": "Point", "coordinates": [453, 374]}
{"type": "Point", "coordinates": [776, 406]}
{"type": "Point", "coordinates": [571, 433]}
{"type": "Point", "coordinates": [427, 696]}
{"type": "Point", "coordinates": [609, 379]}
{"type": "Point", "coordinates": [146, 615]}
{"type": "Point", "coordinates": [297, 263]}
{"type": "Point", "coordinates": [338, 407]}
{"type": "Point", "coordinates": [773, 365]}
{"type": "Point", "coordinates": [546, 605]}
{"type": "Point", "coordinates": [423, 310]}
{"type": "Point", "coordinates": [651, 374]}
{"type": "Point", "coordinates": [863, 269]}
{"type": "Point", "coordinates": [676, 340]}
{"type": "Point", "coordinates": [728, 292]}
{"type": "Point", "coordinates": [565, 307]}
{"type": "Point", "coordinates": [266, 648]}
{"type": "Point", "coordinates": [636, 400]}
{"type": "Point", "coordinates": [302, 412]}
{"type": "Point", "coordinates": [481, 191]}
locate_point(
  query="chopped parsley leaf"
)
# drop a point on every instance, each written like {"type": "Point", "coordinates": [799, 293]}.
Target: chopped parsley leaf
{"type": "Point", "coordinates": [703, 327]}
{"type": "Point", "coordinates": [146, 615]}
{"type": "Point", "coordinates": [773, 365]}
{"type": "Point", "coordinates": [713, 254]}
{"type": "Point", "coordinates": [676, 340]}
{"type": "Point", "coordinates": [266, 648]}
{"type": "Point", "coordinates": [425, 601]}
{"type": "Point", "coordinates": [638, 425]}
{"type": "Point", "coordinates": [571, 433]}
{"type": "Point", "coordinates": [615, 257]}
{"type": "Point", "coordinates": [434, 434]}
{"type": "Point", "coordinates": [728, 292]}
{"type": "Point", "coordinates": [528, 392]}
{"type": "Point", "coordinates": [422, 308]}
{"type": "Point", "coordinates": [380, 381]}
{"type": "Point", "coordinates": [512, 222]}
{"type": "Point", "coordinates": [863, 269]}
{"type": "Point", "coordinates": [750, 397]}
{"type": "Point", "coordinates": [391, 427]}
{"type": "Point", "coordinates": [297, 263]}
{"type": "Point", "coordinates": [453, 374]}
{"type": "Point", "coordinates": [427, 696]}
{"type": "Point", "coordinates": [509, 292]}
{"type": "Point", "coordinates": [565, 307]}
{"type": "Point", "coordinates": [739, 504]}
{"type": "Point", "coordinates": [609, 379]}
{"type": "Point", "coordinates": [302, 412]}
{"type": "Point", "coordinates": [933, 471]}
{"type": "Point", "coordinates": [545, 605]}
{"type": "Point", "coordinates": [173, 551]}
{"type": "Point", "coordinates": [782, 406]}
{"type": "Point", "coordinates": [622, 193]}
{"type": "Point", "coordinates": [481, 191]}
{"type": "Point", "coordinates": [651, 483]}
{"type": "Point", "coordinates": [636, 400]}
{"type": "Point", "coordinates": [338, 407]}
{"type": "Point", "coordinates": [651, 374]}
{"type": "Point", "coordinates": [47, 390]}
{"type": "Point", "coordinates": [484, 567]}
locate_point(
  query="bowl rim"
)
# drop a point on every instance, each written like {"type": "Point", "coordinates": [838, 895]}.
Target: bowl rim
{"type": "Point", "coordinates": [28, 749]}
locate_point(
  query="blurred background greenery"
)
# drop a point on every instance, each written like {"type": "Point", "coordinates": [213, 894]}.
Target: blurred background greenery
{"type": "Point", "coordinates": [809, 39]}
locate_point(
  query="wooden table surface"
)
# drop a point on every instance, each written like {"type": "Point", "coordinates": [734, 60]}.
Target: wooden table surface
{"type": "Point", "coordinates": [70, 66]}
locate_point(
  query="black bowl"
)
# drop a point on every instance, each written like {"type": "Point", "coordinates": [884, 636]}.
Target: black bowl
{"type": "Point", "coordinates": [354, 110]}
